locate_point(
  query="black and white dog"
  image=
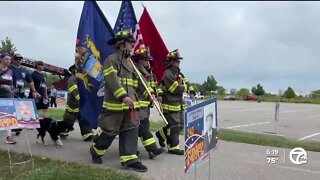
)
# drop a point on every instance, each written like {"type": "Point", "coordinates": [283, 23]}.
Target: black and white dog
{"type": "Point", "coordinates": [53, 127]}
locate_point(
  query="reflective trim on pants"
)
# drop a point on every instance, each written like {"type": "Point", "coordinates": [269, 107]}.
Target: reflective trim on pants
{"type": "Point", "coordinates": [85, 136]}
{"type": "Point", "coordinates": [128, 158]}
{"type": "Point", "coordinates": [148, 141]}
{"type": "Point", "coordinates": [99, 152]}
{"type": "Point", "coordinates": [173, 148]}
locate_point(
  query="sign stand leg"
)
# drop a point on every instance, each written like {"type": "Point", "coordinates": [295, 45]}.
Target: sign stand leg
{"type": "Point", "coordinates": [195, 172]}
{"type": "Point", "coordinates": [209, 167]}
{"type": "Point", "coordinates": [10, 163]}
{"type": "Point", "coordinates": [25, 131]}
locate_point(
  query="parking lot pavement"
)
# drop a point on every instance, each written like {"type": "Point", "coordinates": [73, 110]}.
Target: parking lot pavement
{"type": "Point", "coordinates": [296, 121]}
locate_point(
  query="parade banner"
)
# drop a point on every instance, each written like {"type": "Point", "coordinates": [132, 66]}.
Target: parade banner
{"type": "Point", "coordinates": [200, 132]}
{"type": "Point", "coordinates": [18, 113]}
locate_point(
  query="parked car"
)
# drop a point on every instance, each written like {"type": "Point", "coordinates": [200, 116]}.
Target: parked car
{"type": "Point", "coordinates": [230, 98]}
{"type": "Point", "coordinates": [250, 98]}
{"type": "Point", "coordinates": [199, 96]}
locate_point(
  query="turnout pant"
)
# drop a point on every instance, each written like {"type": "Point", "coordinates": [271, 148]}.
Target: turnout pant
{"type": "Point", "coordinates": [172, 130]}
{"type": "Point", "coordinates": [124, 123]}
{"type": "Point", "coordinates": [144, 132]}
{"type": "Point", "coordinates": [69, 120]}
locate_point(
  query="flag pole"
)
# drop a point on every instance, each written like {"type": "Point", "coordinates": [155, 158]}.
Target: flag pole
{"type": "Point", "coordinates": [143, 5]}
{"type": "Point", "coordinates": [146, 87]}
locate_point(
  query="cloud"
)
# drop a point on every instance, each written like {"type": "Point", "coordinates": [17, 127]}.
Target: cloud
{"type": "Point", "coordinates": [239, 43]}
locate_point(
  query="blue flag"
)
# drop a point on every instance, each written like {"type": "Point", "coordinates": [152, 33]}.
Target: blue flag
{"type": "Point", "coordinates": [91, 50]}
{"type": "Point", "coordinates": [126, 17]}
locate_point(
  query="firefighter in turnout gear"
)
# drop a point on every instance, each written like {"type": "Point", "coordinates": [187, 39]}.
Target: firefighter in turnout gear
{"type": "Point", "coordinates": [120, 114]}
{"type": "Point", "coordinates": [141, 59]}
{"type": "Point", "coordinates": [72, 113]}
{"type": "Point", "coordinates": [173, 86]}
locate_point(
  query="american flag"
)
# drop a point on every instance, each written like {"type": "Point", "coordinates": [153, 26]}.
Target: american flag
{"type": "Point", "coordinates": [127, 20]}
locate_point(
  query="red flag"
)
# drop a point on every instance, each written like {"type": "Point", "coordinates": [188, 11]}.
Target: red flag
{"type": "Point", "coordinates": [152, 38]}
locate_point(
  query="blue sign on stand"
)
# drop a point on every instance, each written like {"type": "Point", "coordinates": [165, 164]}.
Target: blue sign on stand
{"type": "Point", "coordinates": [200, 132]}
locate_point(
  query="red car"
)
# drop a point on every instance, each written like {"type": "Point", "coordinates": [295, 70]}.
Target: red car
{"type": "Point", "coordinates": [250, 98]}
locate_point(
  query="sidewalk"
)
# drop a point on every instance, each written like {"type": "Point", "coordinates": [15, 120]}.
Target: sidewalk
{"type": "Point", "coordinates": [228, 161]}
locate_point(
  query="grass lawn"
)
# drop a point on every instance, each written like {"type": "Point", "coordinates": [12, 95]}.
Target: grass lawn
{"type": "Point", "coordinates": [46, 168]}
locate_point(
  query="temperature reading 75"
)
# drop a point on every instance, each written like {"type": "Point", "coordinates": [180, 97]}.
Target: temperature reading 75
{"type": "Point", "coordinates": [272, 160]}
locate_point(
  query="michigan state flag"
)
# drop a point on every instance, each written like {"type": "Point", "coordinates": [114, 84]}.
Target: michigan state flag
{"type": "Point", "coordinates": [91, 50]}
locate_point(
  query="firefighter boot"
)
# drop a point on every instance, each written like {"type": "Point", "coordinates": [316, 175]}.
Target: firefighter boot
{"type": "Point", "coordinates": [137, 166]}
{"type": "Point", "coordinates": [95, 158]}
{"type": "Point", "coordinates": [155, 152]}
{"type": "Point", "coordinates": [160, 139]}
{"type": "Point", "coordinates": [176, 151]}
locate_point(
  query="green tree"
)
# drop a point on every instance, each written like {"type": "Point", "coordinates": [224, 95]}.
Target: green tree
{"type": "Point", "coordinates": [210, 84]}
{"type": "Point", "coordinates": [8, 46]}
{"type": "Point", "coordinates": [198, 87]}
{"type": "Point", "coordinates": [221, 90]}
{"type": "Point", "coordinates": [257, 90]}
{"type": "Point", "coordinates": [243, 92]}
{"type": "Point", "coordinates": [315, 94]}
{"type": "Point", "coordinates": [233, 91]}
{"type": "Point", "coordinates": [289, 93]}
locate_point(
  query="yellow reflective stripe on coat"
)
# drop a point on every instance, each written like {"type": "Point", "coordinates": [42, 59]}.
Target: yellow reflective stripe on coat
{"type": "Point", "coordinates": [173, 87]}
{"type": "Point", "coordinates": [183, 106]}
{"type": "Point", "coordinates": [119, 106]}
{"type": "Point", "coordinates": [154, 84]}
{"type": "Point", "coordinates": [186, 80]}
{"type": "Point", "coordinates": [72, 110]}
{"type": "Point", "coordinates": [146, 94]}
{"type": "Point", "coordinates": [119, 92]}
{"type": "Point", "coordinates": [159, 90]}
{"type": "Point", "coordinates": [190, 88]}
{"type": "Point", "coordinates": [108, 71]}
{"type": "Point", "coordinates": [128, 158]}
{"type": "Point", "coordinates": [173, 148]}
{"type": "Point", "coordinates": [72, 88]}
{"type": "Point", "coordinates": [171, 107]}
{"type": "Point", "coordinates": [148, 142]}
{"type": "Point", "coordinates": [99, 152]}
{"type": "Point", "coordinates": [78, 97]}
{"type": "Point", "coordinates": [144, 104]}
{"type": "Point", "coordinates": [115, 106]}
{"type": "Point", "coordinates": [129, 82]}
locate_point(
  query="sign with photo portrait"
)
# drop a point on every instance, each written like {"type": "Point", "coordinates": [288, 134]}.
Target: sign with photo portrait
{"type": "Point", "coordinates": [18, 114]}
{"type": "Point", "coordinates": [200, 132]}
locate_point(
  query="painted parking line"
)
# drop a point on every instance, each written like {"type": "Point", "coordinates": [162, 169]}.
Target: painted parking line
{"type": "Point", "coordinates": [246, 125]}
{"type": "Point", "coordinates": [260, 132]}
{"type": "Point", "coordinates": [309, 136]}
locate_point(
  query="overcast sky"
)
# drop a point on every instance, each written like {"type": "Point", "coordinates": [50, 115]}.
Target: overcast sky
{"type": "Point", "coordinates": [239, 43]}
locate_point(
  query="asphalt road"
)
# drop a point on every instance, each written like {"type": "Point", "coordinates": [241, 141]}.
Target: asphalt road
{"type": "Point", "coordinates": [228, 161]}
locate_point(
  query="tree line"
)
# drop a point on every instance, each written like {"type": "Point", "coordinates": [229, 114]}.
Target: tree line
{"type": "Point", "coordinates": [211, 87]}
